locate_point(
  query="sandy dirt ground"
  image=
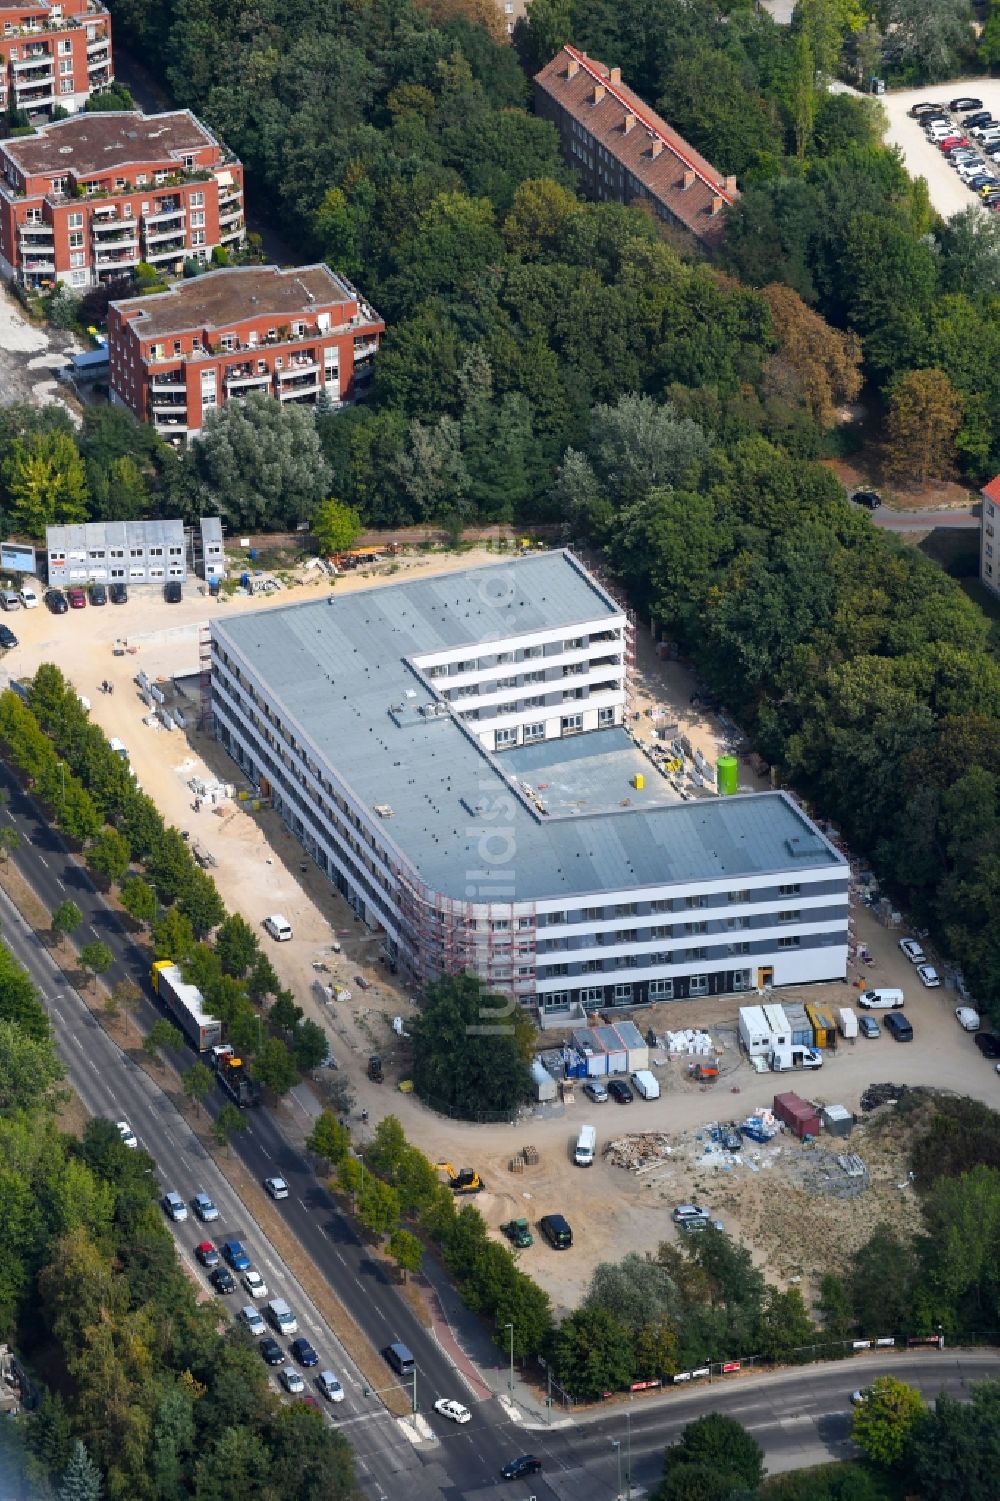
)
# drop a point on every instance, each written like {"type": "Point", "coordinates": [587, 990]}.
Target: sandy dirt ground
{"type": "Point", "coordinates": [30, 357]}
{"type": "Point", "coordinates": [260, 869]}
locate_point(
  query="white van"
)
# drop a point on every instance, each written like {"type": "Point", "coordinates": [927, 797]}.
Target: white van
{"type": "Point", "coordinates": [279, 927]}
{"type": "Point", "coordinates": [586, 1143]}
{"type": "Point", "coordinates": [646, 1084]}
{"type": "Point", "coordinates": [881, 1000]}
{"type": "Point", "coordinates": [281, 1317]}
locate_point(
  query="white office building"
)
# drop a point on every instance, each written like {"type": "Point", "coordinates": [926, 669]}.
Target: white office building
{"type": "Point", "coordinates": [453, 753]}
{"type": "Point", "coordinates": [116, 552]}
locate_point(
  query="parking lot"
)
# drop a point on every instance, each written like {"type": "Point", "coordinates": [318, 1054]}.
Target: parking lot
{"type": "Point", "coordinates": [948, 193]}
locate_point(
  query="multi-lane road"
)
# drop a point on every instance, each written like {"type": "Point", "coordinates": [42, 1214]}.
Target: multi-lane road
{"type": "Point", "coordinates": [799, 1417]}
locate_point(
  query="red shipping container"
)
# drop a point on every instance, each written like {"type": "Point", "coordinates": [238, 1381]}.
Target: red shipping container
{"type": "Point", "coordinates": [798, 1115]}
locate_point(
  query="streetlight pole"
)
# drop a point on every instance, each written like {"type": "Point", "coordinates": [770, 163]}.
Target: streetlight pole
{"type": "Point", "coordinates": [628, 1454]}
{"type": "Point", "coordinates": [616, 1444]}
{"type": "Point", "coordinates": [510, 1377]}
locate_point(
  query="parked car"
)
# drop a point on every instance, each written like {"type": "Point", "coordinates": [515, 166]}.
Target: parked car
{"type": "Point", "coordinates": [916, 111]}
{"type": "Point", "coordinates": [7, 637]}
{"type": "Point", "coordinates": [928, 975]}
{"type": "Point", "coordinates": [689, 1212]}
{"type": "Point", "coordinates": [303, 1352]}
{"type": "Point", "coordinates": [77, 599]}
{"type": "Point", "coordinates": [963, 103]}
{"type": "Point", "coordinates": [254, 1283]}
{"type": "Point", "coordinates": [55, 601]}
{"type": "Point", "coordinates": [988, 1044]}
{"type": "Point", "coordinates": [174, 1206]}
{"type": "Point", "coordinates": [222, 1280]}
{"type": "Point", "coordinates": [898, 1026]}
{"type": "Point", "coordinates": [991, 197]}
{"type": "Point", "coordinates": [911, 948]}
{"type": "Point", "coordinates": [448, 1408]}
{"type": "Point", "coordinates": [204, 1208]}
{"type": "Point", "coordinates": [98, 594]}
{"type": "Point", "coordinates": [271, 1351]}
{"type": "Point", "coordinates": [9, 599]}
{"type": "Point", "coordinates": [118, 594]}
{"type": "Point", "coordinates": [28, 597]}
{"type": "Point", "coordinates": [518, 1233]}
{"type": "Point", "coordinates": [292, 1381]}
{"type": "Point", "coordinates": [252, 1319]}
{"type": "Point", "coordinates": [276, 1187]}
{"type": "Point", "coordinates": [968, 1018]}
{"type": "Point", "coordinates": [172, 592]}
{"type": "Point", "coordinates": [869, 1027]}
{"type": "Point", "coordinates": [207, 1254]}
{"type": "Point", "coordinates": [362, 983]}
{"type": "Point", "coordinates": [946, 143]}
{"type": "Point", "coordinates": [978, 117]}
{"type": "Point", "coordinates": [331, 1388]}
{"type": "Point", "coordinates": [595, 1090]}
{"type": "Point", "coordinates": [524, 1464]}
{"type": "Point", "coordinates": [620, 1092]}
{"type": "Point", "coordinates": [870, 499]}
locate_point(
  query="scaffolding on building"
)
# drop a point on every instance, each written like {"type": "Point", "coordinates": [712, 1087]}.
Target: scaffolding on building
{"type": "Point", "coordinates": [206, 717]}
{"type": "Point", "coordinates": [440, 934]}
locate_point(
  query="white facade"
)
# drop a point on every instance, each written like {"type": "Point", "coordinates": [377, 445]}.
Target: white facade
{"type": "Point", "coordinates": [116, 552]}
{"type": "Point", "coordinates": [989, 544]}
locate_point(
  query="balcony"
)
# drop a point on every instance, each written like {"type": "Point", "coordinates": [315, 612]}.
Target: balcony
{"type": "Point", "coordinates": [159, 237]}
{"type": "Point", "coordinates": [239, 376]}
{"type": "Point", "coordinates": [100, 75]}
{"type": "Point", "coordinates": [34, 97]}
{"type": "Point", "coordinates": [38, 267]}
{"type": "Point", "coordinates": [165, 406]}
{"type": "Point", "coordinates": [365, 349]}
{"type": "Point", "coordinates": [100, 59]}
{"type": "Point", "coordinates": [231, 195]}
{"type": "Point", "coordinates": [121, 234]}
{"type": "Point", "coordinates": [307, 391]}
{"type": "Point", "coordinates": [298, 365]}
{"type": "Point", "coordinates": [29, 233]}
{"type": "Point", "coordinates": [107, 260]}
{"type": "Point", "coordinates": [97, 44]}
{"type": "Point", "coordinates": [234, 232]}
{"type": "Point", "coordinates": [228, 214]}
{"type": "Point", "coordinates": [175, 251]}
{"type": "Point", "coordinates": [171, 382]}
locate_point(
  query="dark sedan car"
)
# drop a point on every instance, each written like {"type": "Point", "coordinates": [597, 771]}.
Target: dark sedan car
{"type": "Point", "coordinates": [524, 1464]}
{"type": "Point", "coordinates": [963, 103]}
{"type": "Point", "coordinates": [620, 1092]}
{"type": "Point", "coordinates": [98, 594]}
{"type": "Point", "coordinates": [302, 1351]}
{"type": "Point", "coordinates": [172, 592]}
{"type": "Point", "coordinates": [222, 1280]}
{"type": "Point", "coordinates": [271, 1351]}
{"type": "Point", "coordinates": [988, 1044]}
{"type": "Point", "coordinates": [870, 499]}
{"type": "Point", "coordinates": [55, 599]}
{"type": "Point", "coordinates": [118, 594]}
{"type": "Point", "coordinates": [7, 637]}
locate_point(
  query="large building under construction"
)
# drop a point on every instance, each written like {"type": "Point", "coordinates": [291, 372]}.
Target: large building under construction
{"type": "Point", "coordinates": [453, 752]}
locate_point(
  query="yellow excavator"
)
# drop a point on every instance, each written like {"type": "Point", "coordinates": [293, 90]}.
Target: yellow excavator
{"type": "Point", "coordinates": [466, 1181]}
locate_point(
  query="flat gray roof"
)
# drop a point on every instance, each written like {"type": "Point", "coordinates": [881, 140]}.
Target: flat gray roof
{"type": "Point", "coordinates": [337, 669]}
{"type": "Point", "coordinates": [105, 534]}
{"type": "Point", "coordinates": [590, 773]}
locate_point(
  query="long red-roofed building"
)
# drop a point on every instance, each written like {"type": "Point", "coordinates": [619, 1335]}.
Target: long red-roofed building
{"type": "Point", "coordinates": [624, 151]}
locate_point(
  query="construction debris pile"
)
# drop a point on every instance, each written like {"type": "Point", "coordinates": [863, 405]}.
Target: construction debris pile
{"type": "Point", "coordinates": [882, 1094]}
{"type": "Point", "coordinates": [836, 1175]}
{"type": "Point", "coordinates": [636, 1152]}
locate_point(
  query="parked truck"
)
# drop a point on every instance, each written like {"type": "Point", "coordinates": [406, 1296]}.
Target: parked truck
{"type": "Point", "coordinates": [234, 1078]}
{"type": "Point", "coordinates": [186, 1005]}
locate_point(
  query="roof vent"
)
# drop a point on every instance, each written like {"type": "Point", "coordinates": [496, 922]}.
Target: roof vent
{"type": "Point", "coordinates": [133, 135]}
{"type": "Point", "coordinates": [65, 151]}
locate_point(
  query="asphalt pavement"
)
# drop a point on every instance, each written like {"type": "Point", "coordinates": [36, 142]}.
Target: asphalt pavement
{"type": "Point", "coordinates": [964, 518]}
{"type": "Point", "coordinates": [800, 1417]}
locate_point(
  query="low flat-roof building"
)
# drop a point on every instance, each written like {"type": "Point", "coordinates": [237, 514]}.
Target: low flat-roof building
{"type": "Point", "coordinates": [116, 552]}
{"type": "Point", "coordinates": [84, 200]}
{"type": "Point", "coordinates": [289, 333]}
{"type": "Point", "coordinates": [624, 151]}
{"type": "Point", "coordinates": [452, 753]}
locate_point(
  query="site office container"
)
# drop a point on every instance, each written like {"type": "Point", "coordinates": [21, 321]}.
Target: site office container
{"type": "Point", "coordinates": [824, 1027]}
{"type": "Point", "coordinates": [777, 1021]}
{"type": "Point", "coordinates": [591, 1050]}
{"type": "Point", "coordinates": [755, 1034]}
{"type": "Point", "coordinates": [801, 1118]}
{"type": "Point", "coordinates": [614, 1047]}
{"type": "Point", "coordinates": [799, 1024]}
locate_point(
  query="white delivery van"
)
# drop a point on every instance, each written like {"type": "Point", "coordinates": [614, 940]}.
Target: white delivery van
{"type": "Point", "coordinates": [586, 1146]}
{"type": "Point", "coordinates": [646, 1083]}
{"type": "Point", "coordinates": [281, 1317]}
{"type": "Point", "coordinates": [881, 1000]}
{"type": "Point", "coordinates": [279, 927]}
{"type": "Point", "coordinates": [586, 1143]}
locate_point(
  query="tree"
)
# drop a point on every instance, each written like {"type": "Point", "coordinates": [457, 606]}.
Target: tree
{"type": "Point", "coordinates": [81, 1479]}
{"type": "Point", "coordinates": [335, 526]}
{"type": "Point", "coordinates": [10, 841]}
{"type": "Point", "coordinates": [96, 958]}
{"type": "Point", "coordinates": [274, 1067]}
{"type": "Point", "coordinates": [173, 937]}
{"type": "Point", "coordinates": [329, 1139]}
{"type": "Point", "coordinates": [263, 461]}
{"type": "Point", "coordinates": [539, 211]}
{"type": "Point", "coordinates": [785, 1324]}
{"type": "Point", "coordinates": [109, 855]}
{"type": "Point", "coordinates": [162, 1036]}
{"type": "Point", "coordinates": [309, 1046]}
{"type": "Point", "coordinates": [833, 1305]}
{"type": "Point", "coordinates": [115, 96]}
{"type": "Point", "coordinates": [29, 1069]}
{"type": "Point", "coordinates": [592, 1354]}
{"type": "Point", "coordinates": [236, 945]}
{"type": "Point", "coordinates": [201, 903]}
{"type": "Point", "coordinates": [925, 413]}
{"type": "Point", "coordinates": [952, 1448]}
{"type": "Point", "coordinates": [929, 36]}
{"type": "Point", "coordinates": [46, 482]}
{"type": "Point", "coordinates": [125, 997]}
{"type": "Point", "coordinates": [66, 918]}
{"type": "Point", "coordinates": [825, 364]}
{"type": "Point", "coordinates": [720, 1449]}
{"type": "Point", "coordinates": [471, 1049]}
{"type": "Point", "coordinates": [139, 899]}
{"type": "Point", "coordinates": [406, 1251]}
{"type": "Point", "coordinates": [198, 1083]}
{"type": "Point", "coordinates": [227, 1124]}
{"type": "Point", "coordinates": [882, 1423]}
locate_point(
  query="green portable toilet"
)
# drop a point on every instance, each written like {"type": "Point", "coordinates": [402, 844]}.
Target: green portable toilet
{"type": "Point", "coordinates": [727, 775]}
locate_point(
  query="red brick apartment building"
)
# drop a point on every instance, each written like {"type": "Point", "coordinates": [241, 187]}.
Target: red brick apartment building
{"type": "Point", "coordinates": [84, 200]}
{"type": "Point", "coordinates": [53, 54]}
{"type": "Point", "coordinates": [624, 152]}
{"type": "Point", "coordinates": [176, 355]}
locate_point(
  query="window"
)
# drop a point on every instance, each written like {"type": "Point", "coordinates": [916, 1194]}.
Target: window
{"type": "Point", "coordinates": [533, 732]}
{"type": "Point", "coordinates": [791, 941]}
{"type": "Point", "coordinates": [197, 200]}
{"type": "Point", "coordinates": [696, 927]}
{"type": "Point", "coordinates": [177, 346]}
{"type": "Point", "coordinates": [76, 239]}
{"type": "Point", "coordinates": [625, 909]}
{"type": "Point", "coordinates": [524, 922]}
{"type": "Point", "coordinates": [65, 85]}
{"type": "Point", "coordinates": [552, 970]}
{"type": "Point", "coordinates": [592, 997]}
{"type": "Point", "coordinates": [789, 890]}
{"type": "Point", "coordinates": [65, 65]}
{"type": "Point", "coordinates": [500, 925]}
{"type": "Point", "coordinates": [605, 717]}
{"type": "Point", "coordinates": [505, 737]}
{"type": "Point", "coordinates": [592, 967]}
{"type": "Point", "coordinates": [530, 652]}
{"type": "Point", "coordinates": [694, 901]}
{"type": "Point", "coordinates": [697, 953]}
{"type": "Point", "coordinates": [534, 677]}
{"type": "Point", "coordinates": [469, 666]}
{"type": "Point", "coordinates": [698, 985]}
{"type": "Point", "coordinates": [622, 993]}
{"type": "Point", "coordinates": [537, 702]}
{"type": "Point", "coordinates": [77, 258]}
{"type": "Point", "coordinates": [593, 914]}
{"type": "Point", "coordinates": [625, 935]}
{"type": "Point", "coordinates": [504, 657]}
{"type": "Point", "coordinates": [65, 45]}
{"type": "Point", "coordinates": [506, 682]}
{"type": "Point", "coordinates": [789, 916]}
{"type": "Point", "coordinates": [198, 219]}
{"type": "Point", "coordinates": [197, 237]}
{"type": "Point", "coordinates": [75, 220]}
{"type": "Point", "coordinates": [78, 278]}
{"type": "Point", "coordinates": [742, 979]}
{"type": "Point", "coordinates": [661, 990]}
{"type": "Point", "coordinates": [555, 1000]}
{"type": "Point", "coordinates": [572, 724]}
{"type": "Point", "coordinates": [660, 904]}
{"type": "Point", "coordinates": [664, 931]}
{"type": "Point", "coordinates": [739, 948]}
{"type": "Point", "coordinates": [575, 643]}
{"type": "Point", "coordinates": [739, 896]}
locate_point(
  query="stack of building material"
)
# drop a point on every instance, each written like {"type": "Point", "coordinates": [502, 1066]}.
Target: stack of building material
{"type": "Point", "coordinates": [693, 1040]}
